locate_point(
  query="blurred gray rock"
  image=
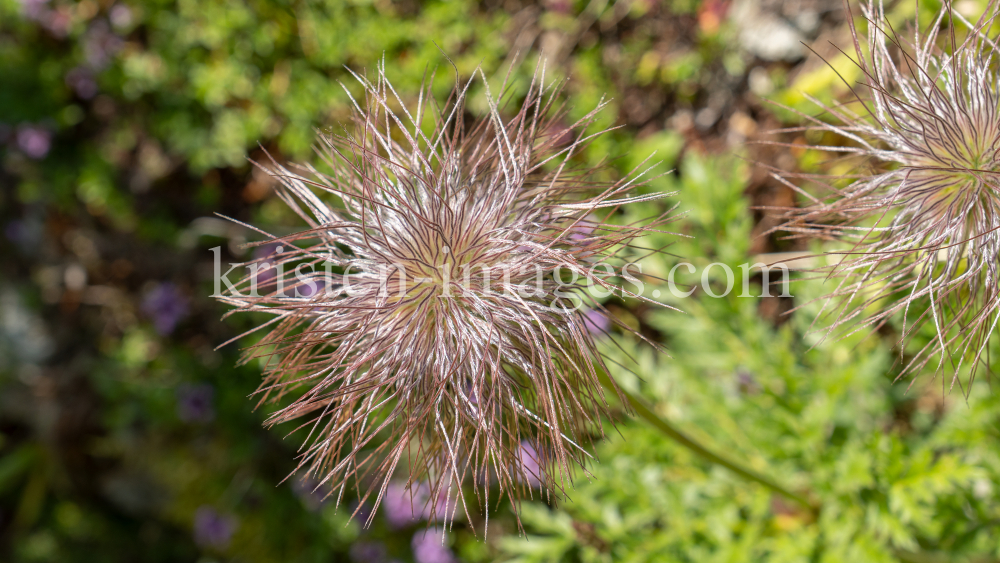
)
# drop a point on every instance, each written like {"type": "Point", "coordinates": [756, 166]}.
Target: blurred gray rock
{"type": "Point", "coordinates": [774, 30]}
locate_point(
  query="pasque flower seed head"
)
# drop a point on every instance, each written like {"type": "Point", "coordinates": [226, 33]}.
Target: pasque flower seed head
{"type": "Point", "coordinates": [431, 318]}
{"type": "Point", "coordinates": [921, 215]}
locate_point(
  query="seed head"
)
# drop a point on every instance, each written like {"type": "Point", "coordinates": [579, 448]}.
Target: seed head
{"type": "Point", "coordinates": [432, 318]}
{"type": "Point", "coordinates": [921, 215]}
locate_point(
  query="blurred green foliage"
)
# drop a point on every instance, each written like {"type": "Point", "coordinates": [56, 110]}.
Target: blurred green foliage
{"type": "Point", "coordinates": [125, 436]}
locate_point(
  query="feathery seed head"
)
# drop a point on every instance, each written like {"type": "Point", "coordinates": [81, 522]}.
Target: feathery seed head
{"type": "Point", "coordinates": [922, 226]}
{"type": "Point", "coordinates": [442, 326]}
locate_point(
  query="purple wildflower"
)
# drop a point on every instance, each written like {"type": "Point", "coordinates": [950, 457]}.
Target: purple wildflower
{"type": "Point", "coordinates": [34, 141]}
{"type": "Point", "coordinates": [361, 510]}
{"type": "Point", "coordinates": [428, 547]}
{"type": "Point", "coordinates": [82, 82]}
{"type": "Point", "coordinates": [530, 465]}
{"type": "Point", "coordinates": [213, 529]}
{"type": "Point", "coordinates": [57, 21]}
{"type": "Point", "coordinates": [120, 16]}
{"type": "Point", "coordinates": [34, 9]}
{"type": "Point", "coordinates": [166, 306]}
{"type": "Point", "coordinates": [403, 507]}
{"type": "Point", "coordinates": [597, 322]}
{"type": "Point", "coordinates": [367, 552]}
{"type": "Point", "coordinates": [14, 231]}
{"type": "Point", "coordinates": [194, 403]}
{"type": "Point", "coordinates": [25, 233]}
{"type": "Point", "coordinates": [264, 261]}
{"type": "Point", "coordinates": [559, 6]}
{"type": "Point", "coordinates": [746, 382]}
{"type": "Point", "coordinates": [100, 45]}
{"type": "Point", "coordinates": [584, 229]}
{"type": "Point", "coordinates": [312, 494]}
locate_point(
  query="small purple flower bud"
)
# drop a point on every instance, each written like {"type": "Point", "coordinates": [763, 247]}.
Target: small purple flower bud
{"type": "Point", "coordinates": [367, 552]}
{"type": "Point", "coordinates": [597, 322]}
{"type": "Point", "coordinates": [34, 141]}
{"type": "Point", "coordinates": [82, 82]}
{"type": "Point", "coordinates": [361, 511]}
{"type": "Point", "coordinates": [14, 231]}
{"type": "Point", "coordinates": [266, 257]}
{"type": "Point", "coordinates": [100, 45]}
{"type": "Point", "coordinates": [57, 21]}
{"type": "Point", "coordinates": [34, 9]}
{"type": "Point", "coordinates": [530, 464]}
{"type": "Point", "coordinates": [402, 509]}
{"type": "Point", "coordinates": [120, 16]}
{"type": "Point", "coordinates": [311, 493]}
{"type": "Point", "coordinates": [166, 306]}
{"type": "Point", "coordinates": [746, 382]}
{"type": "Point", "coordinates": [428, 547]}
{"type": "Point", "coordinates": [194, 403]}
{"type": "Point", "coordinates": [559, 6]}
{"type": "Point", "coordinates": [25, 233]}
{"type": "Point", "coordinates": [212, 529]}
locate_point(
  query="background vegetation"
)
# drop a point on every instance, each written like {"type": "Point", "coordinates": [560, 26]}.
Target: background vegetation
{"type": "Point", "coordinates": [125, 436]}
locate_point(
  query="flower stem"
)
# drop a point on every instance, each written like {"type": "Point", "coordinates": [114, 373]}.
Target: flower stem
{"type": "Point", "coordinates": [644, 411]}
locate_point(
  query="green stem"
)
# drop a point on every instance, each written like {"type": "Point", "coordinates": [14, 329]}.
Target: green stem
{"type": "Point", "coordinates": [677, 435]}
